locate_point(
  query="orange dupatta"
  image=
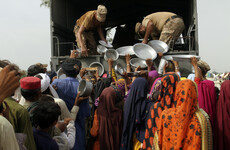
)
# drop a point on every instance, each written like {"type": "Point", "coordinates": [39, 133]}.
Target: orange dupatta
{"type": "Point", "coordinates": [180, 127]}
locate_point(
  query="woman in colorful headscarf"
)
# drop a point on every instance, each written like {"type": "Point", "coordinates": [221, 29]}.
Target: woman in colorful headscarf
{"type": "Point", "coordinates": [155, 82]}
{"type": "Point", "coordinates": [185, 126]}
{"type": "Point", "coordinates": [124, 87]}
{"type": "Point", "coordinates": [152, 76]}
{"type": "Point", "coordinates": [135, 115]}
{"type": "Point", "coordinates": [222, 124]}
{"type": "Point", "coordinates": [165, 100]}
{"type": "Point", "coordinates": [107, 124]}
{"type": "Point", "coordinates": [207, 97]}
{"type": "Point", "coordinates": [155, 91]}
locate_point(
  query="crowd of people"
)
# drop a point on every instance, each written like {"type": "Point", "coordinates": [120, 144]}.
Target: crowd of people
{"type": "Point", "coordinates": [151, 110]}
{"type": "Point", "coordinates": [147, 111]}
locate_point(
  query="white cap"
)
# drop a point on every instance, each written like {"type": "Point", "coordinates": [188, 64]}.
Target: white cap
{"type": "Point", "coordinates": [45, 83]}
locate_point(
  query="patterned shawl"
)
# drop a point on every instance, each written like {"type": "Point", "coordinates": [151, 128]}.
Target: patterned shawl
{"type": "Point", "coordinates": [179, 128]}
{"type": "Point", "coordinates": [165, 100]}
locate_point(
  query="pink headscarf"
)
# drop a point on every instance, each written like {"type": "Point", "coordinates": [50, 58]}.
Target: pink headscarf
{"type": "Point", "coordinates": [207, 98]}
{"type": "Point", "coordinates": [154, 74]}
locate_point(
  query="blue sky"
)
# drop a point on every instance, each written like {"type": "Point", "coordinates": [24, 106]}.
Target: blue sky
{"type": "Point", "coordinates": [25, 33]}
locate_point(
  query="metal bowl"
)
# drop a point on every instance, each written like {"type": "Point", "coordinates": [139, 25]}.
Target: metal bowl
{"type": "Point", "coordinates": [159, 46]}
{"type": "Point", "coordinates": [85, 88]}
{"type": "Point", "coordinates": [184, 57]}
{"type": "Point", "coordinates": [144, 51]}
{"type": "Point", "coordinates": [105, 44]}
{"type": "Point", "coordinates": [99, 66]}
{"type": "Point", "coordinates": [101, 49]}
{"type": "Point", "coordinates": [122, 51]}
{"type": "Point", "coordinates": [135, 62]}
{"type": "Point", "coordinates": [119, 69]}
{"type": "Point", "coordinates": [111, 53]}
{"type": "Point", "coordinates": [168, 57]}
{"type": "Point", "coordinates": [161, 65]}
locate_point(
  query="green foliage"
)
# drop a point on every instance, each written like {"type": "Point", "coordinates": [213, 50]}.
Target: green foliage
{"type": "Point", "coordinates": [45, 3]}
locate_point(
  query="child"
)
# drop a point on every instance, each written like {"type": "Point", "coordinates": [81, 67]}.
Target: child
{"type": "Point", "coordinates": [45, 117]}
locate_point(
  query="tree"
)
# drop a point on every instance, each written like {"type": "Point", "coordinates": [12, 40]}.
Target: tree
{"type": "Point", "coordinates": [45, 3]}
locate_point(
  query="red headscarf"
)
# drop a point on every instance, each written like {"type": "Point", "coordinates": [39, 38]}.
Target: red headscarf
{"type": "Point", "coordinates": [110, 120]}
{"type": "Point", "coordinates": [207, 98]}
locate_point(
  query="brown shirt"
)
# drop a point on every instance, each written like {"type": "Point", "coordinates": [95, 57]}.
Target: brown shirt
{"type": "Point", "coordinates": [158, 19]}
{"type": "Point", "coordinates": [88, 20]}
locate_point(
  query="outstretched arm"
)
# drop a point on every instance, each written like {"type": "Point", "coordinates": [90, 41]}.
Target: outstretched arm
{"type": "Point", "coordinates": [9, 82]}
{"type": "Point", "coordinates": [148, 31]}
{"type": "Point", "coordinates": [196, 69]}
{"type": "Point", "coordinates": [99, 30]}
{"type": "Point", "coordinates": [149, 63]}
{"type": "Point", "coordinates": [194, 64]}
{"type": "Point", "coordinates": [127, 59]}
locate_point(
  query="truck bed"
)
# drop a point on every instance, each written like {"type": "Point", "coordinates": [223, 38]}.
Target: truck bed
{"type": "Point", "coordinates": [64, 14]}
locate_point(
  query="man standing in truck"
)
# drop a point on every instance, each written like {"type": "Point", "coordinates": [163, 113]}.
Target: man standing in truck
{"type": "Point", "coordinates": [84, 27]}
{"type": "Point", "coordinates": [163, 26]}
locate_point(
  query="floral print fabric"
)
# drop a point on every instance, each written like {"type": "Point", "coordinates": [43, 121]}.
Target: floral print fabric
{"type": "Point", "coordinates": [179, 128]}
{"type": "Point", "coordinates": [165, 100]}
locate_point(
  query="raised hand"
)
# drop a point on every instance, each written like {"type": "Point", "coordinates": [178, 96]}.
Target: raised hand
{"type": "Point", "coordinates": [9, 82]}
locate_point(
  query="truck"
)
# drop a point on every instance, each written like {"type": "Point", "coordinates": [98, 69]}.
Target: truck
{"type": "Point", "coordinates": [122, 15]}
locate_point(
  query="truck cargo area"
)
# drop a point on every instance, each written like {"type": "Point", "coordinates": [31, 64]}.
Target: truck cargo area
{"type": "Point", "coordinates": [122, 14]}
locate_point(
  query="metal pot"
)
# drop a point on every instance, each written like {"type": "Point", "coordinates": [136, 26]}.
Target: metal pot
{"type": "Point", "coordinates": [101, 49]}
{"type": "Point", "coordinates": [122, 51]}
{"type": "Point", "coordinates": [99, 66]}
{"type": "Point", "coordinates": [144, 51]}
{"type": "Point", "coordinates": [85, 88]}
{"type": "Point", "coordinates": [111, 53]}
{"type": "Point", "coordinates": [163, 62]}
{"type": "Point", "coordinates": [159, 46]}
{"type": "Point", "coordinates": [135, 62]}
{"type": "Point", "coordinates": [119, 69]}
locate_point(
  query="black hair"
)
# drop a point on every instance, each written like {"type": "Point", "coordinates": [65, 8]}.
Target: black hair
{"type": "Point", "coordinates": [71, 67]}
{"type": "Point", "coordinates": [1, 108]}
{"type": "Point", "coordinates": [203, 71]}
{"type": "Point", "coordinates": [73, 75]}
{"type": "Point", "coordinates": [4, 63]}
{"type": "Point", "coordinates": [46, 98]}
{"type": "Point", "coordinates": [45, 114]}
{"type": "Point", "coordinates": [51, 74]}
{"type": "Point", "coordinates": [34, 69]}
{"type": "Point", "coordinates": [47, 91]}
{"type": "Point", "coordinates": [171, 67]}
{"type": "Point", "coordinates": [217, 92]}
{"type": "Point", "coordinates": [30, 94]}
